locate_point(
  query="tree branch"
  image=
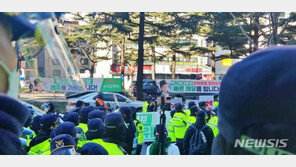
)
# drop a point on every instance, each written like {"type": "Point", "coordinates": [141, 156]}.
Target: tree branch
{"type": "Point", "coordinates": [286, 24]}
{"type": "Point", "coordinates": [243, 31]}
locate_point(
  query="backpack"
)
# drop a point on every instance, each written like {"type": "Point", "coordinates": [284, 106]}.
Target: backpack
{"type": "Point", "coordinates": [198, 141]}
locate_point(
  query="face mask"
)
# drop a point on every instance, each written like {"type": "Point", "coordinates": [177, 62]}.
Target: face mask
{"type": "Point", "coordinates": [13, 81]}
{"type": "Point", "coordinates": [46, 109]}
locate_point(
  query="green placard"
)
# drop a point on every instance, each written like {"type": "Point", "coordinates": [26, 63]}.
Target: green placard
{"type": "Point", "coordinates": [150, 120]}
{"type": "Point", "coordinates": [111, 85]}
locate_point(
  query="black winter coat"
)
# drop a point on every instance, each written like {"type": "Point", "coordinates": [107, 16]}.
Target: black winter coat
{"type": "Point", "coordinates": [129, 136]}
{"type": "Point", "coordinates": [208, 132]}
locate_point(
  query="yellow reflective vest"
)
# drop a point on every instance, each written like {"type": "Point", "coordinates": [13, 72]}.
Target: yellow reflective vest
{"type": "Point", "coordinates": [98, 141]}
{"type": "Point", "coordinates": [179, 122]}
{"type": "Point", "coordinates": [40, 148]}
{"type": "Point", "coordinates": [113, 149]}
{"type": "Point", "coordinates": [188, 112]}
{"type": "Point", "coordinates": [81, 139]}
{"type": "Point", "coordinates": [216, 103]}
{"type": "Point", "coordinates": [213, 122]}
{"type": "Point", "coordinates": [171, 131]}
{"type": "Point", "coordinates": [145, 106]}
{"type": "Point", "coordinates": [191, 120]}
{"type": "Point", "coordinates": [83, 126]}
{"type": "Point", "coordinates": [139, 131]}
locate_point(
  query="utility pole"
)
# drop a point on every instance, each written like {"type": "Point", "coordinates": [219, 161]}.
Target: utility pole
{"type": "Point", "coordinates": [153, 61]}
{"type": "Point", "coordinates": [174, 66]}
{"type": "Point", "coordinates": [122, 62]}
{"type": "Point", "coordinates": [140, 60]}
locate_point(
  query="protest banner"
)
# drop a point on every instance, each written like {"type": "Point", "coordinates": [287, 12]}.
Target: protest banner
{"type": "Point", "coordinates": [67, 85]}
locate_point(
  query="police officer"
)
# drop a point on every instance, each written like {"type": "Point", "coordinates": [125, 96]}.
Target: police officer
{"type": "Point", "coordinates": [63, 144]}
{"type": "Point", "coordinates": [83, 117]}
{"type": "Point", "coordinates": [64, 128]}
{"type": "Point", "coordinates": [190, 104]}
{"type": "Point", "coordinates": [74, 117]}
{"type": "Point", "coordinates": [171, 129]}
{"type": "Point", "coordinates": [213, 123]}
{"type": "Point", "coordinates": [41, 143]}
{"type": "Point", "coordinates": [216, 101]}
{"type": "Point", "coordinates": [115, 134]}
{"type": "Point", "coordinates": [139, 139]}
{"type": "Point", "coordinates": [67, 128]}
{"type": "Point", "coordinates": [35, 125]}
{"type": "Point", "coordinates": [257, 104]}
{"type": "Point", "coordinates": [211, 118]}
{"type": "Point", "coordinates": [28, 134]}
{"type": "Point", "coordinates": [92, 149]}
{"type": "Point", "coordinates": [126, 112]}
{"type": "Point", "coordinates": [145, 106]}
{"type": "Point", "coordinates": [203, 105]}
{"type": "Point", "coordinates": [192, 116]}
{"type": "Point", "coordinates": [180, 125]}
{"type": "Point", "coordinates": [96, 114]}
{"type": "Point", "coordinates": [150, 106]}
{"type": "Point", "coordinates": [96, 131]}
{"type": "Point", "coordinates": [79, 104]}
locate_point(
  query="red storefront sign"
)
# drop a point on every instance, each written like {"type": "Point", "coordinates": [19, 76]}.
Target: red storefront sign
{"type": "Point", "coordinates": [128, 69]}
{"type": "Point", "coordinates": [193, 69]}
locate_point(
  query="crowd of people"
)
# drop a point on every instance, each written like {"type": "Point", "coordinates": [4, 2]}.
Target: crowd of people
{"type": "Point", "coordinates": [256, 102]}
{"type": "Point", "coordinates": [89, 130]}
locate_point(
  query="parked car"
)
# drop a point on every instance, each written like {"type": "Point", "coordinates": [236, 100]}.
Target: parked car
{"type": "Point", "coordinates": [78, 94]}
{"type": "Point", "coordinates": [149, 88]}
{"type": "Point", "coordinates": [37, 111]}
{"type": "Point", "coordinates": [115, 100]}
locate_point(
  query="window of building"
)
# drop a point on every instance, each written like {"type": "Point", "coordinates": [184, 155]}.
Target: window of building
{"type": "Point", "coordinates": [41, 71]}
{"type": "Point", "coordinates": [56, 73]}
{"type": "Point", "coordinates": [30, 63]}
{"type": "Point", "coordinates": [82, 71]}
{"type": "Point", "coordinates": [84, 61]}
{"type": "Point", "coordinates": [55, 62]}
{"type": "Point", "coordinates": [27, 75]}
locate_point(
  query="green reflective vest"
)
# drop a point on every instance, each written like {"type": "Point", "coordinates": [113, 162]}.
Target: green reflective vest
{"type": "Point", "coordinates": [139, 131]}
{"type": "Point", "coordinates": [40, 148]}
{"type": "Point", "coordinates": [213, 122]}
{"type": "Point", "coordinates": [180, 124]}
{"type": "Point", "coordinates": [113, 149]}
{"type": "Point", "coordinates": [145, 106]}
{"type": "Point", "coordinates": [83, 126]}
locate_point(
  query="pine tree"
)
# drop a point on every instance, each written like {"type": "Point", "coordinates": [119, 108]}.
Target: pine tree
{"type": "Point", "coordinates": [87, 39]}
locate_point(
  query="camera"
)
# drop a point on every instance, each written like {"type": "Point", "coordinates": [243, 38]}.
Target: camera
{"type": "Point", "coordinates": [164, 100]}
